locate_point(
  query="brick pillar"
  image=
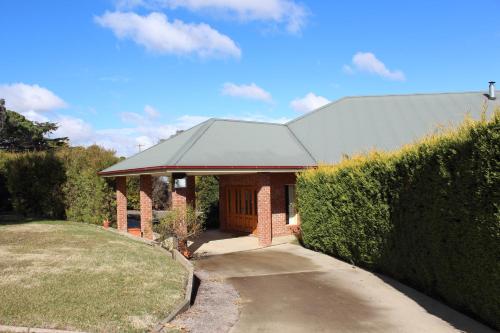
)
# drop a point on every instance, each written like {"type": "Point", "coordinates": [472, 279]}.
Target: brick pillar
{"type": "Point", "coordinates": [146, 186]}
{"type": "Point", "coordinates": [181, 197]}
{"type": "Point", "coordinates": [121, 203]}
{"type": "Point", "coordinates": [264, 217]}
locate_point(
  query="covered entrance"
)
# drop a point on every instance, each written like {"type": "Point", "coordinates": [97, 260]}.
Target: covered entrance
{"type": "Point", "coordinates": [241, 205]}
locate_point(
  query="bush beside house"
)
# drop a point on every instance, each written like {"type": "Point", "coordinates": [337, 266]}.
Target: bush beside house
{"type": "Point", "coordinates": [61, 183]}
{"type": "Point", "coordinates": [428, 215]}
{"type": "Point", "coordinates": [34, 181]}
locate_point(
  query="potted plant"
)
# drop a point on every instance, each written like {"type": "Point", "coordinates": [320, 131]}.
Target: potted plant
{"type": "Point", "coordinates": [105, 223]}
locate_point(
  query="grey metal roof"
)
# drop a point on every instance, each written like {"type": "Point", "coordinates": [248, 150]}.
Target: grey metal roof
{"type": "Point", "coordinates": [347, 126]}
{"type": "Point", "coordinates": [223, 143]}
{"type": "Point", "coordinates": [357, 124]}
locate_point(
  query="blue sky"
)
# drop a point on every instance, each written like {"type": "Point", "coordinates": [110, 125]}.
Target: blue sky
{"type": "Point", "coordinates": [128, 72]}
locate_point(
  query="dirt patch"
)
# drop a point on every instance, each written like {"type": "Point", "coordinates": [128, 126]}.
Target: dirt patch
{"type": "Point", "coordinates": [215, 308]}
{"type": "Point", "coordinates": [142, 322]}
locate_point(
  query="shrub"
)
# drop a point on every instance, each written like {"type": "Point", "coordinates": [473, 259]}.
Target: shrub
{"type": "Point", "coordinates": [34, 181]}
{"type": "Point", "coordinates": [160, 196]}
{"type": "Point", "coordinates": [182, 225]}
{"type": "Point", "coordinates": [133, 193]}
{"type": "Point", "coordinates": [87, 196]}
{"type": "Point", "coordinates": [428, 215]}
{"type": "Point", "coordinates": [207, 200]}
{"type": "Point", "coordinates": [5, 198]}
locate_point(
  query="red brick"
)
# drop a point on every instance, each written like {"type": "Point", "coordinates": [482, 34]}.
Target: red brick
{"type": "Point", "coordinates": [146, 189]}
{"type": "Point", "coordinates": [278, 181]}
{"type": "Point", "coordinates": [121, 203]}
{"type": "Point", "coordinates": [182, 197]}
{"type": "Point", "coordinates": [264, 224]}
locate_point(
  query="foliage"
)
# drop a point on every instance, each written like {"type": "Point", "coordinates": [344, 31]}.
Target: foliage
{"type": "Point", "coordinates": [207, 199]}
{"type": "Point", "coordinates": [428, 215]}
{"type": "Point", "coordinates": [87, 196]}
{"type": "Point", "coordinates": [160, 196]}
{"type": "Point", "coordinates": [59, 184]}
{"type": "Point", "coordinates": [181, 224]}
{"type": "Point", "coordinates": [19, 134]}
{"type": "Point", "coordinates": [133, 193]}
{"type": "Point", "coordinates": [34, 181]}
{"type": "Point", "coordinates": [5, 198]}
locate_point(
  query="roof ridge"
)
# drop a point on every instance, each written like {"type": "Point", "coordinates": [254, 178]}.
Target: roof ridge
{"type": "Point", "coordinates": [421, 94]}
{"type": "Point", "coordinates": [247, 121]}
{"type": "Point", "coordinates": [197, 136]}
{"type": "Point", "coordinates": [301, 144]}
{"type": "Point", "coordinates": [384, 95]}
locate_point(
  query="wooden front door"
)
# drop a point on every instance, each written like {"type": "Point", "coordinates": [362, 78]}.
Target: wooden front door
{"type": "Point", "coordinates": [241, 205]}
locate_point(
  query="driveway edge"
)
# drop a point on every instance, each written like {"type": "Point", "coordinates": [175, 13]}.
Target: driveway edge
{"type": "Point", "coordinates": [186, 302]}
{"type": "Point", "coordinates": [177, 256]}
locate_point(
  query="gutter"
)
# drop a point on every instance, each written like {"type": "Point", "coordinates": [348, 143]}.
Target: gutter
{"type": "Point", "coordinates": [204, 169]}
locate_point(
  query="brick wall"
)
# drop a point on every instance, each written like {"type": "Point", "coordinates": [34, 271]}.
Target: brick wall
{"type": "Point", "coordinates": [121, 203]}
{"type": "Point", "coordinates": [146, 189]}
{"type": "Point", "coordinates": [278, 208]}
{"type": "Point", "coordinates": [278, 182]}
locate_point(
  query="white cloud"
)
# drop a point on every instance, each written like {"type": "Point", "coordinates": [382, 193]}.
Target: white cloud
{"type": "Point", "coordinates": [151, 112]}
{"type": "Point", "coordinates": [157, 34]}
{"type": "Point", "coordinates": [30, 100]}
{"type": "Point", "coordinates": [76, 129]}
{"type": "Point", "coordinates": [250, 91]}
{"type": "Point", "coordinates": [125, 141]}
{"type": "Point", "coordinates": [308, 103]}
{"type": "Point", "coordinates": [286, 12]}
{"type": "Point", "coordinates": [367, 62]}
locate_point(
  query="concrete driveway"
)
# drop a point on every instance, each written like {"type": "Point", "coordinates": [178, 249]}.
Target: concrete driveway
{"type": "Point", "coordinates": [287, 288]}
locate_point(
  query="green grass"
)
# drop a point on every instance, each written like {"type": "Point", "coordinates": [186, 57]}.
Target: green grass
{"type": "Point", "coordinates": [56, 274]}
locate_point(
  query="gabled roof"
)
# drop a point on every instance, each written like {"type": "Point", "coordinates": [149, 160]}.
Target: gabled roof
{"type": "Point", "coordinates": [348, 126]}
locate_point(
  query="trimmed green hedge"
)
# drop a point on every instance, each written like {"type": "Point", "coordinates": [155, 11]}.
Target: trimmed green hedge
{"type": "Point", "coordinates": [62, 183]}
{"type": "Point", "coordinates": [428, 215]}
{"type": "Point", "coordinates": [34, 181]}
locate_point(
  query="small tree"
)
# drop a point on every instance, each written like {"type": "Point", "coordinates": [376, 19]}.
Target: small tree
{"type": "Point", "coordinates": [182, 225]}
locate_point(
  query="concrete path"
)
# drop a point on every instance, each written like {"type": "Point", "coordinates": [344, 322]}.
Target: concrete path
{"type": "Point", "coordinates": [287, 288]}
{"type": "Point", "coordinates": [214, 242]}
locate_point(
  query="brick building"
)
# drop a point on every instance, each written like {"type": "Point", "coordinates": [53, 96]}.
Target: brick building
{"type": "Point", "coordinates": [256, 162]}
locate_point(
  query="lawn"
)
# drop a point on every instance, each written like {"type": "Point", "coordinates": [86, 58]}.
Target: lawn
{"type": "Point", "coordinates": [57, 274]}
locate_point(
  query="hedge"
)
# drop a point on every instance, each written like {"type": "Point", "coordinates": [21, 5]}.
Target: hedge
{"type": "Point", "coordinates": [34, 182]}
{"type": "Point", "coordinates": [87, 196]}
{"type": "Point", "coordinates": [60, 184]}
{"type": "Point", "coordinates": [427, 215]}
